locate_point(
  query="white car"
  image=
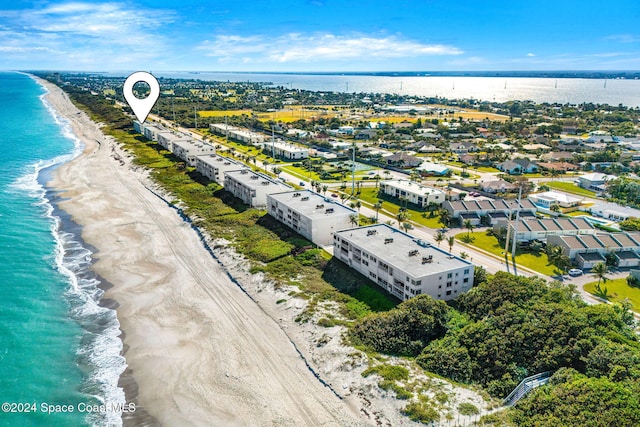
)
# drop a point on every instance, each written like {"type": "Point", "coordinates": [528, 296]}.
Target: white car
{"type": "Point", "coordinates": [575, 272]}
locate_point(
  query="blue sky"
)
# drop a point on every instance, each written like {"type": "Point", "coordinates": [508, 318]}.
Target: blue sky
{"type": "Point", "coordinates": [320, 35]}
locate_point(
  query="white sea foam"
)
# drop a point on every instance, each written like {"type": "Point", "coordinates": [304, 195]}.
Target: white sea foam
{"type": "Point", "coordinates": [100, 348]}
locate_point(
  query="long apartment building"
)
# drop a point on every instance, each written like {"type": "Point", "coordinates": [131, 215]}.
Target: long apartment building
{"type": "Point", "coordinates": [314, 216]}
{"type": "Point", "coordinates": [189, 149]}
{"type": "Point", "coordinates": [529, 229]}
{"type": "Point", "coordinates": [214, 166]}
{"type": "Point", "coordinates": [284, 150]}
{"type": "Point", "coordinates": [415, 193]}
{"type": "Point", "coordinates": [252, 187]}
{"type": "Point", "coordinates": [238, 134]}
{"type": "Point", "coordinates": [167, 138]}
{"type": "Point", "coordinates": [402, 264]}
{"type": "Point", "coordinates": [588, 250]}
{"type": "Point", "coordinates": [495, 210]}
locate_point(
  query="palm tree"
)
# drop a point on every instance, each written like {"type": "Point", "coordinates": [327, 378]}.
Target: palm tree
{"type": "Point", "coordinates": [277, 171]}
{"type": "Point", "coordinates": [440, 237]}
{"type": "Point", "coordinates": [325, 187]}
{"type": "Point", "coordinates": [451, 240]}
{"type": "Point", "coordinates": [445, 217]}
{"type": "Point", "coordinates": [469, 226]}
{"type": "Point", "coordinates": [402, 215]}
{"type": "Point", "coordinates": [377, 206]}
{"type": "Point", "coordinates": [354, 219]}
{"type": "Point", "coordinates": [600, 271]}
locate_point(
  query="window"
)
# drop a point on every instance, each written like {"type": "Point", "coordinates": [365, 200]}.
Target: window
{"type": "Point", "coordinates": [466, 280]}
{"type": "Point", "coordinates": [418, 282]}
{"type": "Point", "coordinates": [448, 284]}
{"type": "Point", "coordinates": [449, 276]}
{"type": "Point", "coordinates": [448, 292]}
{"type": "Point", "coordinates": [466, 271]}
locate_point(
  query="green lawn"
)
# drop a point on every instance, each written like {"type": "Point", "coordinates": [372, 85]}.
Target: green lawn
{"type": "Point", "coordinates": [618, 290]}
{"type": "Point", "coordinates": [391, 206]}
{"type": "Point", "coordinates": [569, 187]}
{"type": "Point", "coordinates": [538, 262]}
{"type": "Point", "coordinates": [485, 169]}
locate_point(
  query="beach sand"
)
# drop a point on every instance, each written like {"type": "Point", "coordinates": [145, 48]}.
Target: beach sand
{"type": "Point", "coordinates": [199, 350]}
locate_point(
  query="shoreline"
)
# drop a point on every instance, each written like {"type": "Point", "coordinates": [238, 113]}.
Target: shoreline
{"type": "Point", "coordinates": [199, 351]}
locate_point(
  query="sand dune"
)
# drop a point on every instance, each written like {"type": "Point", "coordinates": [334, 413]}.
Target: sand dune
{"type": "Point", "coordinates": [200, 350]}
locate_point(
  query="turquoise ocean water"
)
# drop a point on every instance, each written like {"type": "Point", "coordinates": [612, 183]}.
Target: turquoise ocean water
{"type": "Point", "coordinates": [58, 346]}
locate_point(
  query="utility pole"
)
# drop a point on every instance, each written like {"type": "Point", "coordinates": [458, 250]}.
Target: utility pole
{"type": "Point", "coordinates": [273, 142]}
{"type": "Point", "coordinates": [515, 231]}
{"type": "Point", "coordinates": [353, 170]}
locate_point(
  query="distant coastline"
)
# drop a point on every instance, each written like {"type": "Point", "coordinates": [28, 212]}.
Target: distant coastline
{"type": "Point", "coordinates": [557, 74]}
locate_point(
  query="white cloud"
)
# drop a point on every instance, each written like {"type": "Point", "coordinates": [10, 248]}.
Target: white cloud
{"type": "Point", "coordinates": [305, 48]}
{"type": "Point", "coordinates": [531, 54]}
{"type": "Point", "coordinates": [83, 34]}
{"type": "Point", "coordinates": [623, 38]}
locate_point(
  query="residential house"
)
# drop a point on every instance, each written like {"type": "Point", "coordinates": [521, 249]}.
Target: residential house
{"type": "Point", "coordinates": [587, 250]}
{"type": "Point", "coordinates": [403, 160]}
{"type": "Point", "coordinates": [517, 166]}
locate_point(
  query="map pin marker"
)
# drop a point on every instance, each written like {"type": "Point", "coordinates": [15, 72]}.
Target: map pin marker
{"type": "Point", "coordinates": [141, 107]}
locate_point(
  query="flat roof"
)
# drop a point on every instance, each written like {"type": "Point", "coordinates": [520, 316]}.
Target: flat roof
{"type": "Point", "coordinates": [292, 148]}
{"type": "Point", "coordinates": [398, 247]}
{"type": "Point", "coordinates": [412, 187]}
{"type": "Point", "coordinates": [255, 180]}
{"type": "Point", "coordinates": [311, 204]}
{"type": "Point", "coordinates": [218, 160]}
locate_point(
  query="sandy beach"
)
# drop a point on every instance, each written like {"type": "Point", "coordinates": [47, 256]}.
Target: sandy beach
{"type": "Point", "coordinates": [199, 350]}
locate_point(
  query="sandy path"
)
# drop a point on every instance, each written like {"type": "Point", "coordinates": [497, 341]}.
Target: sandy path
{"type": "Point", "coordinates": [200, 350]}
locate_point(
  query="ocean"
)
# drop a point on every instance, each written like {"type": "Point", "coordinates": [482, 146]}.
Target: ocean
{"type": "Point", "coordinates": [59, 348]}
{"type": "Point", "coordinates": [499, 89]}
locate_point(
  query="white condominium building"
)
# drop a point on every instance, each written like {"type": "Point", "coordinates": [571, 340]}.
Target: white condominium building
{"type": "Point", "coordinates": [213, 166]}
{"type": "Point", "coordinates": [310, 214]}
{"type": "Point", "coordinates": [189, 149]}
{"type": "Point", "coordinates": [251, 187]}
{"type": "Point", "coordinates": [286, 151]}
{"type": "Point", "coordinates": [236, 133]}
{"type": "Point", "coordinates": [413, 192]}
{"type": "Point", "coordinates": [402, 264]}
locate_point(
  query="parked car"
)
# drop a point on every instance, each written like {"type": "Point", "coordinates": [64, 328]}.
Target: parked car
{"type": "Point", "coordinates": [575, 272]}
{"type": "Point", "coordinates": [334, 195]}
{"type": "Point", "coordinates": [302, 183]}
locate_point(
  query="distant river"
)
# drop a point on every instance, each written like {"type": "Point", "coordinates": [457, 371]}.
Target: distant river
{"type": "Point", "coordinates": [500, 89]}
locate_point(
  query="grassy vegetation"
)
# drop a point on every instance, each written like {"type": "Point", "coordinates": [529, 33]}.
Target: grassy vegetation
{"type": "Point", "coordinates": [391, 206]}
{"type": "Point", "coordinates": [569, 187]}
{"type": "Point", "coordinates": [537, 262]}
{"type": "Point", "coordinates": [617, 290]}
{"type": "Point", "coordinates": [272, 248]}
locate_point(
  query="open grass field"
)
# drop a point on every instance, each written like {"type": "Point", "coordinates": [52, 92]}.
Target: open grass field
{"type": "Point", "coordinates": [537, 262]}
{"type": "Point", "coordinates": [297, 112]}
{"type": "Point", "coordinates": [569, 187]}
{"type": "Point", "coordinates": [618, 290]}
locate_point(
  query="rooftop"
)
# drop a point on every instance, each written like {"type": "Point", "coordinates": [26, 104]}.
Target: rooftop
{"type": "Point", "coordinates": [402, 250]}
{"type": "Point", "coordinates": [255, 180]}
{"type": "Point", "coordinates": [412, 187]}
{"type": "Point", "coordinates": [311, 205]}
